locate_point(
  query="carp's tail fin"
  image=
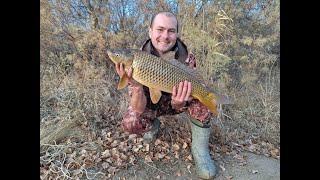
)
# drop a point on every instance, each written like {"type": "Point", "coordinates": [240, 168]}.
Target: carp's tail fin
{"type": "Point", "coordinates": [223, 99]}
{"type": "Point", "coordinates": [210, 102]}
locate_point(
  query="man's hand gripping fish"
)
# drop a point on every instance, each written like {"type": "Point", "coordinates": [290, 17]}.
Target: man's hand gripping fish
{"type": "Point", "coordinates": [161, 75]}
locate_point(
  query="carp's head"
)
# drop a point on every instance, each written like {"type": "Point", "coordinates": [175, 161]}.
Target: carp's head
{"type": "Point", "coordinates": [124, 56]}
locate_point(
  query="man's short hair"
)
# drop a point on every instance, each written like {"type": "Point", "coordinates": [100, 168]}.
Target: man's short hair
{"type": "Point", "coordinates": [168, 14]}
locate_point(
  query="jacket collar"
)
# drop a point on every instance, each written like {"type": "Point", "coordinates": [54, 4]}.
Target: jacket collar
{"type": "Point", "coordinates": [180, 49]}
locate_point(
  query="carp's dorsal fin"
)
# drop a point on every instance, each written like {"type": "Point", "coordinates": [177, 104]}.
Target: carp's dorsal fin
{"type": "Point", "coordinates": [155, 95]}
{"type": "Point", "coordinates": [169, 55]}
{"type": "Point", "coordinates": [185, 68]}
{"type": "Point", "coordinates": [123, 82]}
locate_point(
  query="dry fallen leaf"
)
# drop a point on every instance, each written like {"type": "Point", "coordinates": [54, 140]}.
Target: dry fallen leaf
{"type": "Point", "coordinates": [105, 165]}
{"type": "Point", "coordinates": [98, 160]}
{"type": "Point", "coordinates": [109, 160]}
{"type": "Point", "coordinates": [223, 169]}
{"type": "Point", "coordinates": [83, 152]}
{"type": "Point", "coordinates": [274, 152]}
{"type": "Point", "coordinates": [116, 156]}
{"type": "Point", "coordinates": [132, 136]}
{"type": "Point", "coordinates": [176, 155]}
{"type": "Point", "coordinates": [99, 141]}
{"type": "Point", "coordinates": [114, 151]}
{"type": "Point", "coordinates": [263, 143]}
{"type": "Point", "coordinates": [175, 147]}
{"type": "Point", "coordinates": [157, 142]}
{"type": "Point", "coordinates": [239, 157]}
{"type": "Point", "coordinates": [165, 145]}
{"type": "Point", "coordinates": [224, 149]}
{"type": "Point", "coordinates": [112, 170]}
{"type": "Point", "coordinates": [114, 143]}
{"type": "Point", "coordinates": [147, 148]}
{"type": "Point", "coordinates": [119, 162]}
{"type": "Point", "coordinates": [189, 157]}
{"type": "Point", "coordinates": [252, 147]}
{"type": "Point", "coordinates": [147, 158]}
{"type": "Point", "coordinates": [132, 159]}
{"type": "Point", "coordinates": [137, 148]}
{"type": "Point", "coordinates": [270, 146]}
{"type": "Point", "coordinates": [139, 140]}
{"type": "Point", "coordinates": [185, 145]}
{"type": "Point", "coordinates": [109, 139]}
{"type": "Point", "coordinates": [159, 155]}
{"type": "Point", "coordinates": [188, 167]}
{"type": "Point", "coordinates": [123, 156]}
{"type": "Point", "coordinates": [123, 147]}
{"type": "Point", "coordinates": [88, 163]}
{"type": "Point", "coordinates": [109, 134]}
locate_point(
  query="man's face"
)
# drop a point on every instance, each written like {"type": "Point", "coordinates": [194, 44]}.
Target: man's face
{"type": "Point", "coordinates": [163, 33]}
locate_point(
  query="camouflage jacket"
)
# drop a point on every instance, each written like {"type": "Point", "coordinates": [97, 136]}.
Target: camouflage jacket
{"type": "Point", "coordinates": [138, 123]}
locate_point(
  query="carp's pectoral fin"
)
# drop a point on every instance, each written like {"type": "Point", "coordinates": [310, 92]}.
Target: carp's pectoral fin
{"type": "Point", "coordinates": [123, 82]}
{"type": "Point", "coordinates": [155, 95]}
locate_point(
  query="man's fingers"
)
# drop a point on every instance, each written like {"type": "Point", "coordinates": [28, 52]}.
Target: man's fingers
{"type": "Point", "coordinates": [188, 92]}
{"type": "Point", "coordinates": [180, 89]}
{"type": "Point", "coordinates": [121, 68]}
{"type": "Point", "coordinates": [118, 68]}
{"type": "Point", "coordinates": [174, 93]}
{"type": "Point", "coordinates": [129, 72]}
{"type": "Point", "coordinates": [184, 91]}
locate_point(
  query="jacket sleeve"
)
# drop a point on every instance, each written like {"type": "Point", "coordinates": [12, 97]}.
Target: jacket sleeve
{"type": "Point", "coordinates": [135, 122]}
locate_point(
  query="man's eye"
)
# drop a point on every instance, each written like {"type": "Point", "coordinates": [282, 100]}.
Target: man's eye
{"type": "Point", "coordinates": [160, 30]}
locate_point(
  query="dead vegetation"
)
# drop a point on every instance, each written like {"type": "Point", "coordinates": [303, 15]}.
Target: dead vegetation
{"type": "Point", "coordinates": [81, 109]}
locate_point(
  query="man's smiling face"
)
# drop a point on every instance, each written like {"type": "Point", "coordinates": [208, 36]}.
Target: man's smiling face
{"type": "Point", "coordinates": [163, 33]}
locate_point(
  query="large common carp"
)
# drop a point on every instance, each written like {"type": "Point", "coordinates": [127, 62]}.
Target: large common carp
{"type": "Point", "coordinates": [161, 75]}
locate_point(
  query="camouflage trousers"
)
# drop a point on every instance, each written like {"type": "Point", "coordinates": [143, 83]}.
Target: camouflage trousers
{"type": "Point", "coordinates": [138, 123]}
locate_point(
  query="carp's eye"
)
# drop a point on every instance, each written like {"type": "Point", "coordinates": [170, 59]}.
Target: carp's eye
{"type": "Point", "coordinates": [117, 54]}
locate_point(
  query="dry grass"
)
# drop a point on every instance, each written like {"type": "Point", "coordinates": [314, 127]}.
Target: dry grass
{"type": "Point", "coordinates": [79, 98]}
{"type": "Point", "coordinates": [86, 95]}
{"type": "Point", "coordinates": [256, 110]}
{"type": "Point", "coordinates": [75, 101]}
{"type": "Point", "coordinates": [60, 166]}
{"type": "Point", "coordinates": [81, 110]}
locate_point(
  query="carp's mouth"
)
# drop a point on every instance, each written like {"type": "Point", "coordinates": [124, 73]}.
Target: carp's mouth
{"type": "Point", "coordinates": [114, 57]}
{"type": "Point", "coordinates": [118, 57]}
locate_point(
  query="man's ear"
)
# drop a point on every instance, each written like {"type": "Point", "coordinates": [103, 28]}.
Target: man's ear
{"type": "Point", "coordinates": [150, 31]}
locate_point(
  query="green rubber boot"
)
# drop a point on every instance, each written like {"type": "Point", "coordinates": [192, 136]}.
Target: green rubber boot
{"type": "Point", "coordinates": [205, 166]}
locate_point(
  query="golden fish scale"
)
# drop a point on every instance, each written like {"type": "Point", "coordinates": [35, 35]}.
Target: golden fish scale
{"type": "Point", "coordinates": [157, 73]}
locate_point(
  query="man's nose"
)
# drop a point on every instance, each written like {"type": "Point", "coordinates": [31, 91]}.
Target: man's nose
{"type": "Point", "coordinates": [165, 34]}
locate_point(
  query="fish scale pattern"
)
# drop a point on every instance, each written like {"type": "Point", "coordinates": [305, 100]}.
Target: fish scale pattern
{"type": "Point", "coordinates": [157, 73]}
